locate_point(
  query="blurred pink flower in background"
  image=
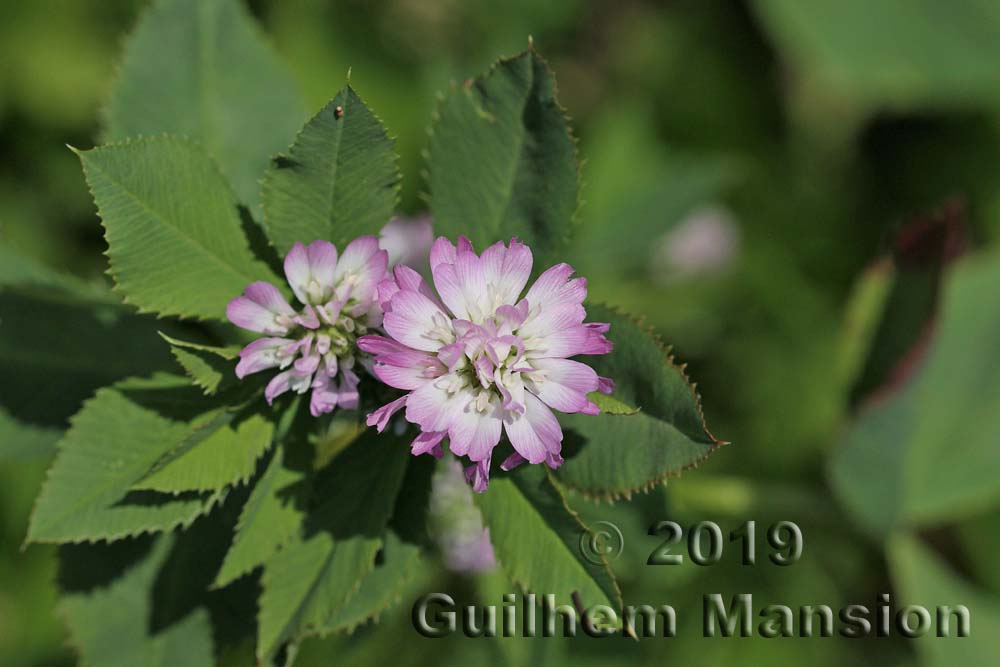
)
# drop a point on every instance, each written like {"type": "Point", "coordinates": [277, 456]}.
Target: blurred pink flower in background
{"type": "Point", "coordinates": [458, 525]}
{"type": "Point", "coordinates": [408, 241]}
{"type": "Point", "coordinates": [706, 241]}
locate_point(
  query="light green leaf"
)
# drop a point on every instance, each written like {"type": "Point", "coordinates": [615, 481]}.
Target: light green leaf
{"type": "Point", "coordinates": [502, 160]}
{"type": "Point", "coordinates": [537, 537]}
{"type": "Point", "coordinates": [923, 578]}
{"type": "Point", "coordinates": [112, 442]}
{"type": "Point", "coordinates": [174, 234]}
{"type": "Point", "coordinates": [939, 55]}
{"type": "Point", "coordinates": [210, 367]}
{"type": "Point", "coordinates": [221, 449]}
{"type": "Point", "coordinates": [312, 577]}
{"type": "Point", "coordinates": [110, 626]}
{"type": "Point", "coordinates": [612, 455]}
{"type": "Point", "coordinates": [338, 181]}
{"type": "Point", "coordinates": [398, 562]}
{"type": "Point", "coordinates": [221, 85]}
{"type": "Point", "coordinates": [926, 454]}
{"type": "Point", "coordinates": [271, 517]}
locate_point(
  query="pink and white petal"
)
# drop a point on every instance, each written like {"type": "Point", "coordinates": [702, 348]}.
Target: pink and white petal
{"type": "Point", "coordinates": [400, 377]}
{"type": "Point", "coordinates": [442, 252]}
{"type": "Point", "coordinates": [507, 270]}
{"type": "Point", "coordinates": [534, 433]}
{"type": "Point", "coordinates": [377, 345]}
{"type": "Point", "coordinates": [297, 271]}
{"type": "Point", "coordinates": [278, 385]}
{"type": "Point", "coordinates": [605, 385]}
{"type": "Point", "coordinates": [355, 256]}
{"type": "Point", "coordinates": [368, 277]}
{"type": "Point", "coordinates": [323, 398]}
{"type": "Point", "coordinates": [380, 417]}
{"type": "Point", "coordinates": [322, 262]}
{"type": "Point", "coordinates": [431, 406]}
{"type": "Point", "coordinates": [447, 285]}
{"type": "Point", "coordinates": [307, 365]}
{"type": "Point", "coordinates": [408, 279]}
{"type": "Point", "coordinates": [269, 296]}
{"type": "Point", "coordinates": [473, 433]}
{"type": "Point", "coordinates": [554, 460]}
{"type": "Point", "coordinates": [549, 319]}
{"type": "Point", "coordinates": [478, 475]}
{"type": "Point", "coordinates": [492, 262]}
{"type": "Point", "coordinates": [250, 315]}
{"type": "Point", "coordinates": [428, 443]}
{"type": "Point", "coordinates": [570, 342]}
{"type": "Point", "coordinates": [472, 280]}
{"type": "Point", "coordinates": [411, 321]}
{"type": "Point", "coordinates": [347, 391]}
{"type": "Point", "coordinates": [387, 289]}
{"type": "Point", "coordinates": [566, 384]}
{"type": "Point", "coordinates": [260, 355]}
{"type": "Point", "coordinates": [512, 461]}
{"type": "Point", "coordinates": [555, 286]}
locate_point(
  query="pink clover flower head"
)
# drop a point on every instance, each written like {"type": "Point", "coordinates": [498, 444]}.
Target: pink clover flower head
{"type": "Point", "coordinates": [313, 346]}
{"type": "Point", "coordinates": [478, 359]}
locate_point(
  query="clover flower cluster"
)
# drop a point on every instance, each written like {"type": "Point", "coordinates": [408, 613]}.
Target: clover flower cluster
{"type": "Point", "coordinates": [477, 355]}
{"type": "Point", "coordinates": [314, 347]}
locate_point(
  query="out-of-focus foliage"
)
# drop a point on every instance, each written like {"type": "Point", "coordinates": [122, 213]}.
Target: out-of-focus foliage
{"type": "Point", "coordinates": [806, 132]}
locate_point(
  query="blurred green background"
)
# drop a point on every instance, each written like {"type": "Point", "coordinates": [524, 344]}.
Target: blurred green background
{"type": "Point", "coordinates": [801, 197]}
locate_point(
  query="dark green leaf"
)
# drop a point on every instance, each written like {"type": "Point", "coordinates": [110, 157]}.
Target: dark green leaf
{"type": "Point", "coordinates": [113, 441]}
{"type": "Point", "coordinates": [502, 160]}
{"type": "Point", "coordinates": [537, 539]}
{"type": "Point", "coordinates": [312, 577]}
{"type": "Point", "coordinates": [338, 181]}
{"type": "Point", "coordinates": [612, 455]}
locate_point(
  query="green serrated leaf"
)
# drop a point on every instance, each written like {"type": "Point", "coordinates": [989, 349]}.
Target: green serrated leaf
{"type": "Point", "coordinates": [110, 625]}
{"type": "Point", "coordinates": [312, 577]}
{"type": "Point", "coordinates": [537, 539]}
{"type": "Point", "coordinates": [221, 85]}
{"type": "Point", "coordinates": [221, 449]}
{"type": "Point", "coordinates": [400, 557]}
{"type": "Point", "coordinates": [502, 160]}
{"type": "Point", "coordinates": [174, 234]}
{"type": "Point", "coordinates": [112, 442]}
{"type": "Point", "coordinates": [210, 367]}
{"type": "Point", "coordinates": [271, 517]}
{"type": "Point", "coordinates": [612, 455]}
{"type": "Point", "coordinates": [338, 181]}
